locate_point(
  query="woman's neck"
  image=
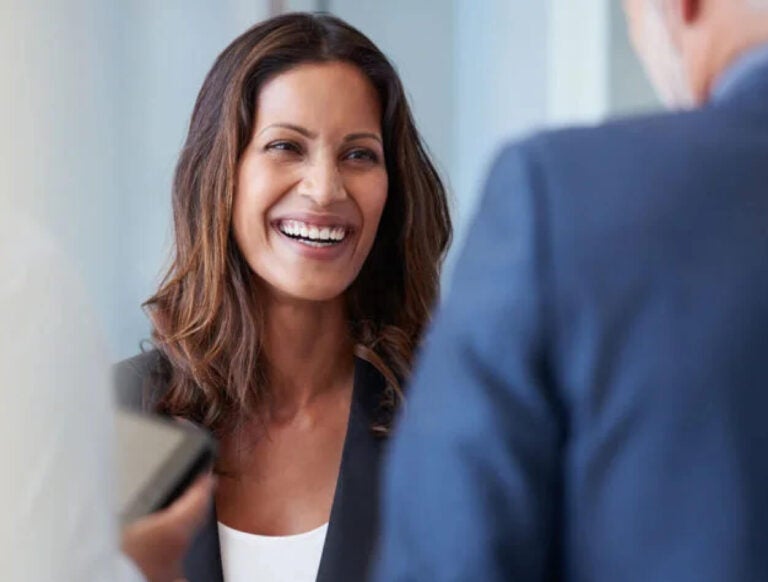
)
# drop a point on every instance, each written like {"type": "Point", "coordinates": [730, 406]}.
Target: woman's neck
{"type": "Point", "coordinates": [309, 349]}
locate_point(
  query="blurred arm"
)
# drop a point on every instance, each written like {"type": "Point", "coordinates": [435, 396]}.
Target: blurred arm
{"type": "Point", "coordinates": [55, 420]}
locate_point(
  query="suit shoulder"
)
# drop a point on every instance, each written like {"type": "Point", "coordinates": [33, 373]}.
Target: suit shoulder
{"type": "Point", "coordinates": [657, 133]}
{"type": "Point", "coordinates": [140, 381]}
{"type": "Point", "coordinates": [602, 160]}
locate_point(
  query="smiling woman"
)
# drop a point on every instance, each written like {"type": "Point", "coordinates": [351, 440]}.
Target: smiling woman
{"type": "Point", "coordinates": [310, 226]}
{"type": "Point", "coordinates": [311, 192]}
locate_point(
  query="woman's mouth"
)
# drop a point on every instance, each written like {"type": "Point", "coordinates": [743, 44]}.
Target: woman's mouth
{"type": "Point", "coordinates": [313, 235]}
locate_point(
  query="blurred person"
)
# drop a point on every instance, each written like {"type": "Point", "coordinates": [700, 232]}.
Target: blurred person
{"type": "Point", "coordinates": [310, 225]}
{"type": "Point", "coordinates": [56, 433]}
{"type": "Point", "coordinates": [591, 404]}
{"type": "Point", "coordinates": [59, 519]}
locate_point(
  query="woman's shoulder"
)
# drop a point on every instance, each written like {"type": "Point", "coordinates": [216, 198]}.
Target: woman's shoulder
{"type": "Point", "coordinates": [141, 381]}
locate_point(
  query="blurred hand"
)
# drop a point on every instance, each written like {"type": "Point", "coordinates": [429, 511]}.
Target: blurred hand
{"type": "Point", "coordinates": [157, 543]}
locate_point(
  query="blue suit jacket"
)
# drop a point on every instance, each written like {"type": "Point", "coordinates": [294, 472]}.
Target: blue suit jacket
{"type": "Point", "coordinates": [592, 404]}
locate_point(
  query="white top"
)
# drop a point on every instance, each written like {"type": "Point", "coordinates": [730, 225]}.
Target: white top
{"type": "Point", "coordinates": [248, 557]}
{"type": "Point", "coordinates": [56, 419]}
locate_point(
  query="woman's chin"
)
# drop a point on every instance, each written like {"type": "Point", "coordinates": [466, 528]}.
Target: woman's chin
{"type": "Point", "coordinates": [309, 293]}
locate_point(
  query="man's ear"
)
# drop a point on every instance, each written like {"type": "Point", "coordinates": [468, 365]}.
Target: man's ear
{"type": "Point", "coordinates": [683, 12]}
{"type": "Point", "coordinates": [680, 15]}
{"type": "Point", "coordinates": [690, 10]}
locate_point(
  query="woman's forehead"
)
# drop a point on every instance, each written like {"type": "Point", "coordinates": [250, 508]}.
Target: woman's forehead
{"type": "Point", "coordinates": [318, 96]}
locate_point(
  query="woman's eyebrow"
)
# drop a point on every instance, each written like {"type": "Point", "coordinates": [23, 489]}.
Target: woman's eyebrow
{"type": "Point", "coordinates": [354, 136]}
{"type": "Point", "coordinates": [297, 128]}
{"type": "Point", "coordinates": [310, 134]}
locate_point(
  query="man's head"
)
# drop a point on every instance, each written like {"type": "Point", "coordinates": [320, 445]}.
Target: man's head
{"type": "Point", "coordinates": [686, 44]}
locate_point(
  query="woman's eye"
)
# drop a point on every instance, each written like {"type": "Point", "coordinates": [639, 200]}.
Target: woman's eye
{"type": "Point", "coordinates": [362, 155]}
{"type": "Point", "coordinates": [283, 146]}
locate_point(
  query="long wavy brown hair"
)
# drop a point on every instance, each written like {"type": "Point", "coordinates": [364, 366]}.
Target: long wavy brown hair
{"type": "Point", "coordinates": [206, 312]}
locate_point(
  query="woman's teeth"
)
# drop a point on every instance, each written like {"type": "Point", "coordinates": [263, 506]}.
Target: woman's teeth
{"type": "Point", "coordinates": [311, 234]}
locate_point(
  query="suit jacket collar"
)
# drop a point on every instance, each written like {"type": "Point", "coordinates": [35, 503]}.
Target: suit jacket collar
{"type": "Point", "coordinates": [203, 560]}
{"type": "Point", "coordinates": [746, 88]}
{"type": "Point", "coordinates": [354, 521]}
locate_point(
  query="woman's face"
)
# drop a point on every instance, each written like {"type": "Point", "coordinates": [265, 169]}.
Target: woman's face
{"type": "Point", "coordinates": [312, 183]}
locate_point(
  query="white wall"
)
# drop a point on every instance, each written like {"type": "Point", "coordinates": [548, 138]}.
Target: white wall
{"type": "Point", "coordinates": [629, 90]}
{"type": "Point", "coordinates": [58, 114]}
{"type": "Point", "coordinates": [578, 48]}
{"type": "Point", "coordinates": [165, 51]}
{"type": "Point", "coordinates": [500, 85]}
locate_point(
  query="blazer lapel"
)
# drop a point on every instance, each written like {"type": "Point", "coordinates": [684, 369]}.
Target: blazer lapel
{"type": "Point", "coordinates": [203, 560]}
{"type": "Point", "coordinates": [354, 523]}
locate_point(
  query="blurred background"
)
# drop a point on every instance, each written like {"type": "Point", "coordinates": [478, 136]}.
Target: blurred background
{"type": "Point", "coordinates": [97, 95]}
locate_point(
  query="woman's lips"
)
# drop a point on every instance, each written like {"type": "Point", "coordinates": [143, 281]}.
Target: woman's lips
{"type": "Point", "coordinates": [314, 241]}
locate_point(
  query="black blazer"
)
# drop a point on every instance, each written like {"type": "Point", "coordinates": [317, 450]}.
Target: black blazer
{"type": "Point", "coordinates": [354, 522]}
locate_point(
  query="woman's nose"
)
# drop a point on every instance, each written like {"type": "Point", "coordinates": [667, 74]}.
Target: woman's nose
{"type": "Point", "coordinates": [323, 184]}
